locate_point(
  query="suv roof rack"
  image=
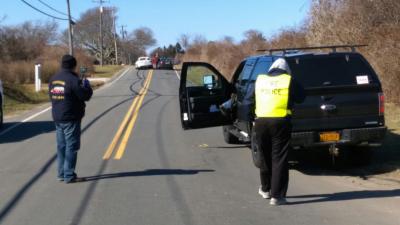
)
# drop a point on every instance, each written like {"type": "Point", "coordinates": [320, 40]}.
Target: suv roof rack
{"type": "Point", "coordinates": [295, 50]}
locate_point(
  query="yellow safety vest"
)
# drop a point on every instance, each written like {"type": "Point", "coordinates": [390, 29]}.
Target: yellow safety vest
{"type": "Point", "coordinates": [272, 96]}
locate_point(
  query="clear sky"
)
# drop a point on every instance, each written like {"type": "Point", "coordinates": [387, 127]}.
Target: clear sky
{"type": "Point", "coordinates": [169, 19]}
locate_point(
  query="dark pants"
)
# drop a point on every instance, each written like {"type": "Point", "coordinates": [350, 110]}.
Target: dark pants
{"type": "Point", "coordinates": [273, 139]}
{"type": "Point", "coordinates": [68, 144]}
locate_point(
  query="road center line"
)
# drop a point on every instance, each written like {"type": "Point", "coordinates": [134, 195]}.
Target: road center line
{"type": "Point", "coordinates": [124, 142]}
{"type": "Point", "coordinates": [122, 127]}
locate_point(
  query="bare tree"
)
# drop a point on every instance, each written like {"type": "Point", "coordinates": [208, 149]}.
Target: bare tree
{"type": "Point", "coordinates": [26, 41]}
{"type": "Point", "coordinates": [184, 40]}
{"type": "Point", "coordinates": [136, 43]}
{"type": "Point", "coordinates": [254, 40]}
{"type": "Point", "coordinates": [86, 33]}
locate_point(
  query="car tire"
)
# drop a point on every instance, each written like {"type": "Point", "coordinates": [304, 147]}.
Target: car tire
{"type": "Point", "coordinates": [360, 156]}
{"type": "Point", "coordinates": [257, 156]}
{"type": "Point", "coordinates": [228, 136]}
{"type": "Point", "coordinates": [353, 156]}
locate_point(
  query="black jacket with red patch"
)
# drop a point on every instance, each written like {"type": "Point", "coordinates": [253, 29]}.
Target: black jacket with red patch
{"type": "Point", "coordinates": [68, 96]}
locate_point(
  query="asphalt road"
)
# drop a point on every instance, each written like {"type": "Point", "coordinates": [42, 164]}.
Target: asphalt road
{"type": "Point", "coordinates": [146, 170]}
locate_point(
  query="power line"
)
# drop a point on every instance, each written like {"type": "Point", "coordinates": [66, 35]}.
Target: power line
{"type": "Point", "coordinates": [48, 6]}
{"type": "Point", "coordinates": [33, 7]}
{"type": "Point", "coordinates": [52, 8]}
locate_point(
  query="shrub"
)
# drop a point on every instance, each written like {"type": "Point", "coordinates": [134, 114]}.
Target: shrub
{"type": "Point", "coordinates": [376, 23]}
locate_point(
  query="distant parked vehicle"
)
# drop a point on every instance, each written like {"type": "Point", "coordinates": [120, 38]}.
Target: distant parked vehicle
{"type": "Point", "coordinates": [143, 63]}
{"type": "Point", "coordinates": [1, 103]}
{"type": "Point", "coordinates": [166, 63]}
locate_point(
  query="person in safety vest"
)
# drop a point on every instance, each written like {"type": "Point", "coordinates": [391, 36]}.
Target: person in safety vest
{"type": "Point", "coordinates": [275, 94]}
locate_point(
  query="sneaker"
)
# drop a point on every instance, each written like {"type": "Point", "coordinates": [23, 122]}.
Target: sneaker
{"type": "Point", "coordinates": [61, 179]}
{"type": "Point", "coordinates": [264, 194]}
{"type": "Point", "coordinates": [74, 180]}
{"type": "Point", "coordinates": [278, 201]}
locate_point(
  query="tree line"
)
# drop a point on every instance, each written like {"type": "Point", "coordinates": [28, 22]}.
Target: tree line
{"type": "Point", "coordinates": [29, 43]}
{"type": "Point", "coordinates": [330, 22]}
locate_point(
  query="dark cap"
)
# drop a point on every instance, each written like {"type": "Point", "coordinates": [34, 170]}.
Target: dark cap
{"type": "Point", "coordinates": [68, 62]}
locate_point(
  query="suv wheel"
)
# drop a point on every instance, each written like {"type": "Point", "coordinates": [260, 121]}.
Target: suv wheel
{"type": "Point", "coordinates": [359, 156]}
{"type": "Point", "coordinates": [228, 136]}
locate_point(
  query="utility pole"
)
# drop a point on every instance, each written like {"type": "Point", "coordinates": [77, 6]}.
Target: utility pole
{"type": "Point", "coordinates": [101, 29]}
{"type": "Point", "coordinates": [123, 31]}
{"type": "Point", "coordinates": [123, 39]}
{"type": "Point", "coordinates": [115, 38]}
{"type": "Point", "coordinates": [71, 44]}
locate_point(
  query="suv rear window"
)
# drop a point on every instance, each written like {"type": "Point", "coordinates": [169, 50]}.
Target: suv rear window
{"type": "Point", "coordinates": [261, 67]}
{"type": "Point", "coordinates": [332, 70]}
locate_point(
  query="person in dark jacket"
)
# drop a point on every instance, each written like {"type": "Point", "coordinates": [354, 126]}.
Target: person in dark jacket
{"type": "Point", "coordinates": [275, 93]}
{"type": "Point", "coordinates": [68, 94]}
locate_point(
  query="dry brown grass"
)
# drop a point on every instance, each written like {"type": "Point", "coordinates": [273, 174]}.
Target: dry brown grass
{"type": "Point", "coordinates": [225, 55]}
{"type": "Point", "coordinates": [22, 72]}
{"type": "Point", "coordinates": [376, 23]}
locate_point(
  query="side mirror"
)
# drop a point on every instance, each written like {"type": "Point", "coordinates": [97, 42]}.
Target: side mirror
{"type": "Point", "coordinates": [209, 81]}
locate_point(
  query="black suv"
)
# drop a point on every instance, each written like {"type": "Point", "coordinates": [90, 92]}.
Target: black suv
{"type": "Point", "coordinates": [343, 104]}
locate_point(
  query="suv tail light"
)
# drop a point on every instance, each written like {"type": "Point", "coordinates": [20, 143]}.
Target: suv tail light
{"type": "Point", "coordinates": [381, 104]}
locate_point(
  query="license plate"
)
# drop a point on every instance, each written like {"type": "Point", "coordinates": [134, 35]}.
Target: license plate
{"type": "Point", "coordinates": [329, 136]}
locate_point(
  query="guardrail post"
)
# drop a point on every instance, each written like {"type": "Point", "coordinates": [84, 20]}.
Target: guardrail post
{"type": "Point", "coordinates": [38, 82]}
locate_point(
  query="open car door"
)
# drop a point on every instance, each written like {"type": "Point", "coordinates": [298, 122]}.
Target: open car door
{"type": "Point", "coordinates": [202, 90]}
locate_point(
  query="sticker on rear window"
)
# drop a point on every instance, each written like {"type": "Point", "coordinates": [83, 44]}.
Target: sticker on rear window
{"type": "Point", "coordinates": [362, 79]}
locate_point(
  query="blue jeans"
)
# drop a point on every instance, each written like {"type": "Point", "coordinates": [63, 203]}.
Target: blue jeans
{"type": "Point", "coordinates": [68, 144]}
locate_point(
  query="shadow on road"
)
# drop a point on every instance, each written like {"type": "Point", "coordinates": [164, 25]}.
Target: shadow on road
{"type": "Point", "coordinates": [226, 147]}
{"type": "Point", "coordinates": [20, 192]}
{"type": "Point", "coordinates": [360, 162]}
{"type": "Point", "coordinates": [344, 196]}
{"type": "Point", "coordinates": [25, 130]}
{"type": "Point", "coordinates": [153, 172]}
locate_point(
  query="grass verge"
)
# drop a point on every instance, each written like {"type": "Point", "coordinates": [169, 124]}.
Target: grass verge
{"type": "Point", "coordinates": [106, 71]}
{"type": "Point", "coordinates": [22, 97]}
{"type": "Point", "coordinates": [19, 98]}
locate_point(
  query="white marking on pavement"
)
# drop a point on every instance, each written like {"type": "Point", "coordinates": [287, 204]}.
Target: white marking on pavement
{"type": "Point", "coordinates": [47, 109]}
{"type": "Point", "coordinates": [36, 115]}
{"type": "Point", "coordinates": [123, 74]}
{"type": "Point", "coordinates": [177, 74]}
{"type": "Point", "coordinates": [25, 120]}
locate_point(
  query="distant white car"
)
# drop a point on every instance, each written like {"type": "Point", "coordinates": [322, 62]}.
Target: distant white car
{"type": "Point", "coordinates": [1, 103]}
{"type": "Point", "coordinates": [143, 62]}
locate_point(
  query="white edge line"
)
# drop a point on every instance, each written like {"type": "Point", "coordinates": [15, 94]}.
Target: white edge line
{"type": "Point", "coordinates": [123, 74]}
{"type": "Point", "coordinates": [177, 74]}
{"type": "Point", "coordinates": [25, 120]}
{"type": "Point", "coordinates": [47, 109]}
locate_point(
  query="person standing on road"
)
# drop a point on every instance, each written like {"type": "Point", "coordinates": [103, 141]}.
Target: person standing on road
{"type": "Point", "coordinates": [155, 61]}
{"type": "Point", "coordinates": [68, 94]}
{"type": "Point", "coordinates": [275, 94]}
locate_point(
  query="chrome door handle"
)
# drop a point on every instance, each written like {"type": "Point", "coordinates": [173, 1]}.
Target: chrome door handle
{"type": "Point", "coordinates": [328, 107]}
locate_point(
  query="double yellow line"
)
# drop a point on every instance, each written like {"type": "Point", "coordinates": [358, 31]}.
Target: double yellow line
{"type": "Point", "coordinates": [128, 123]}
